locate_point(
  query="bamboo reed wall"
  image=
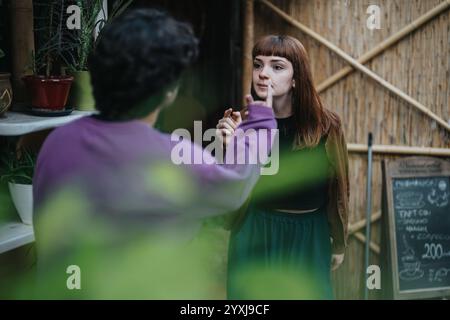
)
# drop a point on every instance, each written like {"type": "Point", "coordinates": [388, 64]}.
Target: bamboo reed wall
{"type": "Point", "coordinates": [418, 64]}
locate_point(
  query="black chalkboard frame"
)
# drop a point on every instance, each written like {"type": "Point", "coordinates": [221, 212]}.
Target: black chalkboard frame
{"type": "Point", "coordinates": [409, 167]}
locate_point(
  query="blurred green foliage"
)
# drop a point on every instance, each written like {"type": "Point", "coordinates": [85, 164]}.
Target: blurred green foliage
{"type": "Point", "coordinates": [145, 261]}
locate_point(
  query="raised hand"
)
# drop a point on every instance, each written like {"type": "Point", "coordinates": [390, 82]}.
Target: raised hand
{"type": "Point", "coordinates": [227, 125]}
{"type": "Point", "coordinates": [232, 119]}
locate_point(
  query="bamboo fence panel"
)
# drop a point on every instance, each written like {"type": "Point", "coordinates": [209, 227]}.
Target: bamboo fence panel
{"type": "Point", "coordinates": [418, 64]}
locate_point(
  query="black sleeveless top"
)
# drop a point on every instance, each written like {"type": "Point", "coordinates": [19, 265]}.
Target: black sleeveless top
{"type": "Point", "coordinates": [301, 182]}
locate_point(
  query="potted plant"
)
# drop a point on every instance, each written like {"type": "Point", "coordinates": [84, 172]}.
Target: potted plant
{"type": "Point", "coordinates": [81, 95]}
{"type": "Point", "coordinates": [5, 90]}
{"type": "Point", "coordinates": [48, 84]}
{"type": "Point", "coordinates": [18, 167]}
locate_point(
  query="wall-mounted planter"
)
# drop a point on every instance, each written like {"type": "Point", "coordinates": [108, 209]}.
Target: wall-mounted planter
{"type": "Point", "coordinates": [6, 94]}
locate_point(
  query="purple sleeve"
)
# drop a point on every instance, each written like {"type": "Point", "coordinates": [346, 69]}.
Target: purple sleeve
{"type": "Point", "coordinates": [225, 187]}
{"type": "Point", "coordinates": [105, 163]}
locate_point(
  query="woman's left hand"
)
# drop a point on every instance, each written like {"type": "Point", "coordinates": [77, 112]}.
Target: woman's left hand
{"type": "Point", "coordinates": [336, 260]}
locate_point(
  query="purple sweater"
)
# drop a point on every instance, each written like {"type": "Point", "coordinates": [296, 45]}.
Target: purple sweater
{"type": "Point", "coordinates": [124, 170]}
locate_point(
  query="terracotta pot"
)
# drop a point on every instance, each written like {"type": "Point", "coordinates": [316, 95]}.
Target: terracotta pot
{"type": "Point", "coordinates": [5, 93]}
{"type": "Point", "coordinates": [48, 92]}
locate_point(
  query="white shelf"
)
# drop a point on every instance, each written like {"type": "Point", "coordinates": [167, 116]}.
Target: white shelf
{"type": "Point", "coordinates": [17, 123]}
{"type": "Point", "coordinates": [14, 235]}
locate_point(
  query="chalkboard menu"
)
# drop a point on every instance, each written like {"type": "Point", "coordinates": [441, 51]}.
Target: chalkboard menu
{"type": "Point", "coordinates": [418, 205]}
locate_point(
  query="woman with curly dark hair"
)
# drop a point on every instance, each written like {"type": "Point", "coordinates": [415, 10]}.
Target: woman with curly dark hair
{"type": "Point", "coordinates": [117, 157]}
{"type": "Point", "coordinates": [280, 244]}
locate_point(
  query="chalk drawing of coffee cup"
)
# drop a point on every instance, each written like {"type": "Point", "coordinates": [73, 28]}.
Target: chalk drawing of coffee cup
{"type": "Point", "coordinates": [438, 198]}
{"type": "Point", "coordinates": [411, 267]}
{"type": "Point", "coordinates": [409, 257]}
{"type": "Point", "coordinates": [410, 199]}
{"type": "Point", "coordinates": [411, 270]}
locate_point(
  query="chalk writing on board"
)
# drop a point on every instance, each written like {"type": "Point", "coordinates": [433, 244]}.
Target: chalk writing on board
{"type": "Point", "coordinates": [421, 206]}
{"type": "Point", "coordinates": [417, 201]}
{"type": "Point", "coordinates": [407, 183]}
{"type": "Point", "coordinates": [433, 237]}
{"type": "Point", "coordinates": [434, 251]}
{"type": "Point", "coordinates": [438, 275]}
{"type": "Point", "coordinates": [420, 166]}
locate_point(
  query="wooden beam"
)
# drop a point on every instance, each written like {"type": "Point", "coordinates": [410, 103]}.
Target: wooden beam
{"type": "Point", "coordinates": [22, 36]}
{"type": "Point", "coordinates": [355, 64]}
{"type": "Point", "coordinates": [385, 44]}
{"type": "Point", "coordinates": [247, 46]}
{"type": "Point", "coordinates": [373, 246]}
{"type": "Point", "coordinates": [387, 149]}
{"type": "Point", "coordinates": [354, 227]}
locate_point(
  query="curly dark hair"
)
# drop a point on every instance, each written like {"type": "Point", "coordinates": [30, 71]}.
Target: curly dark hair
{"type": "Point", "coordinates": [137, 57]}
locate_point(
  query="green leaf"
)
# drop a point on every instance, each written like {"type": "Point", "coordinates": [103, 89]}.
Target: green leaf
{"type": "Point", "coordinates": [18, 165]}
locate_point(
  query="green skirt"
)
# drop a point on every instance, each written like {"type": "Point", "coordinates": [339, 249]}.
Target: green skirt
{"type": "Point", "coordinates": [275, 255]}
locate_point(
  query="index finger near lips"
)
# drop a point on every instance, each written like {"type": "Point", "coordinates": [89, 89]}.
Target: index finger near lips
{"type": "Point", "coordinates": [269, 98]}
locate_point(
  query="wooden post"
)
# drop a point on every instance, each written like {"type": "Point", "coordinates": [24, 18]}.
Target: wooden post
{"type": "Point", "coordinates": [355, 64]}
{"type": "Point", "coordinates": [247, 46]}
{"type": "Point", "coordinates": [386, 149]}
{"type": "Point", "coordinates": [22, 44]}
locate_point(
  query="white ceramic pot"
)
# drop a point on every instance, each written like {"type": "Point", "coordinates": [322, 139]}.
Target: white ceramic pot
{"type": "Point", "coordinates": [22, 196]}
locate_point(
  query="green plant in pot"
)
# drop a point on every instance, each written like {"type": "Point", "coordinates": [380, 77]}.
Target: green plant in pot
{"type": "Point", "coordinates": [48, 84]}
{"type": "Point", "coordinates": [5, 90]}
{"type": "Point", "coordinates": [92, 19]}
{"type": "Point", "coordinates": [18, 167]}
{"type": "Point", "coordinates": [81, 96]}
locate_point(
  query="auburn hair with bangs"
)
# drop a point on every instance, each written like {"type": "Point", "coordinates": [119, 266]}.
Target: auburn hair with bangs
{"type": "Point", "coordinates": [312, 119]}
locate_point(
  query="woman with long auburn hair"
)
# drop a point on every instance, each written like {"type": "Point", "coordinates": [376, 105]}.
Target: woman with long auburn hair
{"type": "Point", "coordinates": [293, 229]}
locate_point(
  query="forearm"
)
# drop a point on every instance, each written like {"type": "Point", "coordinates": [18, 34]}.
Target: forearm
{"type": "Point", "coordinates": [225, 187]}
